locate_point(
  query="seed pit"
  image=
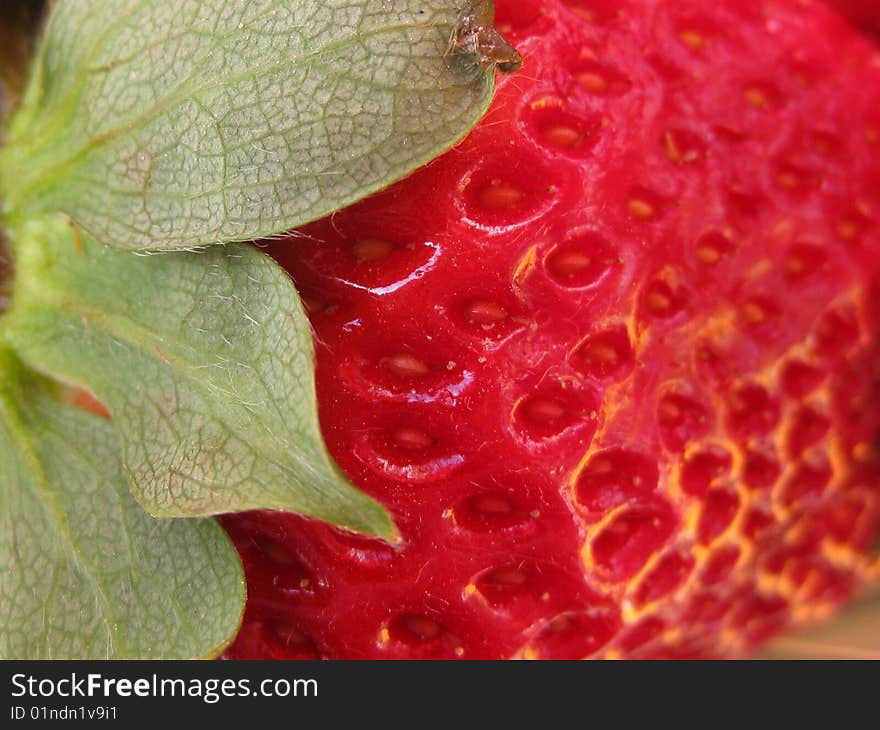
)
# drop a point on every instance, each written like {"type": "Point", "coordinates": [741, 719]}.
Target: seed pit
{"type": "Point", "coordinates": [553, 127]}
{"type": "Point", "coordinates": [372, 249]}
{"type": "Point", "coordinates": [703, 469]}
{"type": "Point", "coordinates": [808, 427]}
{"type": "Point", "coordinates": [759, 617]}
{"type": "Point", "coordinates": [760, 470]}
{"type": "Point", "coordinates": [407, 455]}
{"type": "Point", "coordinates": [844, 519]}
{"type": "Point", "coordinates": [292, 642]}
{"type": "Point", "coordinates": [711, 363]}
{"type": "Point", "coordinates": [851, 224]}
{"type": "Point", "coordinates": [806, 484]}
{"type": "Point", "coordinates": [797, 180]}
{"type": "Point", "coordinates": [720, 565]}
{"type": "Point", "coordinates": [405, 365]}
{"type": "Point", "coordinates": [693, 39]}
{"type": "Point", "coordinates": [581, 261]}
{"type": "Point", "coordinates": [719, 510]}
{"type": "Point", "coordinates": [605, 355]}
{"type": "Point", "coordinates": [282, 568]}
{"type": "Point", "coordinates": [490, 317]}
{"type": "Point", "coordinates": [804, 260]}
{"type": "Point", "coordinates": [553, 409]}
{"type": "Point", "coordinates": [663, 301]}
{"type": "Point", "coordinates": [705, 608]}
{"type": "Point", "coordinates": [499, 195]}
{"type": "Point", "coordinates": [643, 204]}
{"type": "Point", "coordinates": [363, 552]}
{"type": "Point", "coordinates": [613, 477]}
{"type": "Point", "coordinates": [712, 247]}
{"type": "Point", "coordinates": [695, 31]}
{"type": "Point", "coordinates": [763, 95]}
{"type": "Point", "coordinates": [626, 544]}
{"type": "Point", "coordinates": [501, 586]}
{"type": "Point", "coordinates": [415, 628]}
{"type": "Point", "coordinates": [683, 147]}
{"type": "Point", "coordinates": [314, 306]}
{"type": "Point", "coordinates": [757, 523]}
{"type": "Point", "coordinates": [799, 379]}
{"type": "Point", "coordinates": [753, 412]}
{"type": "Point", "coordinates": [669, 573]}
{"type": "Point", "coordinates": [596, 78]}
{"type": "Point", "coordinates": [574, 635]}
{"type": "Point", "coordinates": [488, 512]}
{"type": "Point", "coordinates": [826, 583]}
{"type": "Point", "coordinates": [543, 410]}
{"type": "Point", "coordinates": [510, 189]}
{"type": "Point", "coordinates": [358, 254]}
{"type": "Point", "coordinates": [644, 632]}
{"type": "Point", "coordinates": [758, 310]}
{"type": "Point", "coordinates": [485, 314]}
{"type": "Point", "coordinates": [681, 419]}
{"type": "Point", "coordinates": [837, 333]}
{"type": "Point", "coordinates": [411, 439]}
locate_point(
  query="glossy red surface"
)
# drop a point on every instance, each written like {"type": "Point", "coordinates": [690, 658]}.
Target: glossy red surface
{"type": "Point", "coordinates": [611, 362]}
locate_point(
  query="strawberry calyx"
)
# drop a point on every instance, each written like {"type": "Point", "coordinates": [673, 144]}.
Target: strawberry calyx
{"type": "Point", "coordinates": [5, 273]}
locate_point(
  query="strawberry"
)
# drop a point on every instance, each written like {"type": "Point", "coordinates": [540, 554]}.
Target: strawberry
{"type": "Point", "coordinates": [611, 362]}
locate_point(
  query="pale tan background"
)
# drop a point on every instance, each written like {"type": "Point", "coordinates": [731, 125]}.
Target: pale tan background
{"type": "Point", "coordinates": [854, 633]}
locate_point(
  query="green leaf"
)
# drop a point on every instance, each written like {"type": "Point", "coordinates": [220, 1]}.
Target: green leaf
{"type": "Point", "coordinates": [84, 572]}
{"type": "Point", "coordinates": [205, 361]}
{"type": "Point", "coordinates": [162, 125]}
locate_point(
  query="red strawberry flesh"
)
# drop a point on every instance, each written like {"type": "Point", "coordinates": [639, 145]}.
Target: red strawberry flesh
{"type": "Point", "coordinates": [864, 14]}
{"type": "Point", "coordinates": [611, 362]}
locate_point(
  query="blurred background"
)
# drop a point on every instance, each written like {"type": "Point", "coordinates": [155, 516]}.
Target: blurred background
{"type": "Point", "coordinates": [853, 633]}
